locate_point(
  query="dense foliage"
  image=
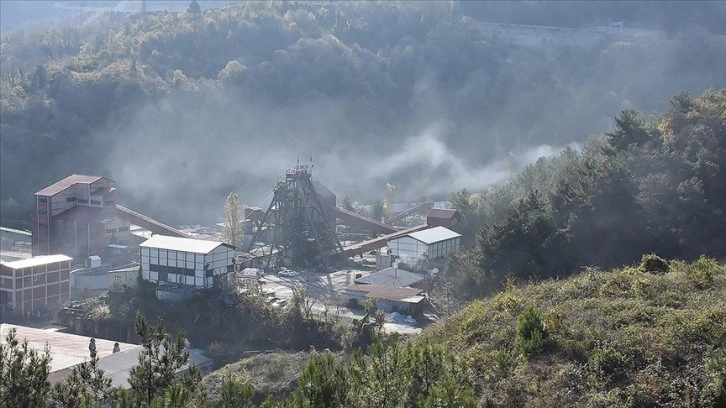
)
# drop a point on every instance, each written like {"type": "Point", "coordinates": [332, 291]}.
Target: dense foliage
{"type": "Point", "coordinates": [167, 102]}
{"type": "Point", "coordinates": [652, 184]}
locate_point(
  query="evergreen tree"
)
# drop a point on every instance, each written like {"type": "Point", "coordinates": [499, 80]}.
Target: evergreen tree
{"type": "Point", "coordinates": [156, 377]}
{"type": "Point", "coordinates": [194, 7]}
{"type": "Point", "coordinates": [87, 386]}
{"type": "Point", "coordinates": [23, 374]}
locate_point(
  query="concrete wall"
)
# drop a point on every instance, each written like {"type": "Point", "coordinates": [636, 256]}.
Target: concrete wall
{"type": "Point", "coordinates": [89, 280]}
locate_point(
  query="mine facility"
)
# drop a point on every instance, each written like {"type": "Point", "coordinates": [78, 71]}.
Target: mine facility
{"type": "Point", "coordinates": [302, 239]}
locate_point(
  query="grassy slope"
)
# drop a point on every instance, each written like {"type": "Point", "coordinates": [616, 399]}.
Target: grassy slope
{"type": "Point", "coordinates": [271, 374]}
{"type": "Point", "coordinates": [618, 338]}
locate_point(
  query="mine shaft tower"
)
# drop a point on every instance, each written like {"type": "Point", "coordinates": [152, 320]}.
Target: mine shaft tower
{"type": "Point", "coordinates": [301, 230]}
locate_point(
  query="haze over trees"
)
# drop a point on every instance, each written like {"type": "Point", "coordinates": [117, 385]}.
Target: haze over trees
{"type": "Point", "coordinates": [652, 184]}
{"type": "Point", "coordinates": [171, 102]}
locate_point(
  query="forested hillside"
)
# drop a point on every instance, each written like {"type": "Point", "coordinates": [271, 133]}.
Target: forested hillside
{"type": "Point", "coordinates": [654, 183]}
{"type": "Point", "coordinates": [185, 107]}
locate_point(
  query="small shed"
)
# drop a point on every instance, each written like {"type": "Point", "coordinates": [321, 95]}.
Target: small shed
{"type": "Point", "coordinates": [94, 261]}
{"type": "Point", "coordinates": [443, 217]}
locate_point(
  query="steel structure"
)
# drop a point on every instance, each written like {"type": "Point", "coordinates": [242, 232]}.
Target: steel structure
{"type": "Point", "coordinates": [301, 230]}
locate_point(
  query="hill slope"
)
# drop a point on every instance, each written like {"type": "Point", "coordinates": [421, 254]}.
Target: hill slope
{"type": "Point", "coordinates": [650, 335]}
{"type": "Point", "coordinates": [622, 338]}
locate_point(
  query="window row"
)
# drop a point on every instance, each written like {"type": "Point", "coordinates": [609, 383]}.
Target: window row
{"type": "Point", "coordinates": [171, 269]}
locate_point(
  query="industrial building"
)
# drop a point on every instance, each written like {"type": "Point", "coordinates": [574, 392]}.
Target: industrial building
{"type": "Point", "coordinates": [79, 216]}
{"type": "Point", "coordinates": [427, 244]}
{"type": "Point", "coordinates": [184, 261]}
{"type": "Point", "coordinates": [76, 208]}
{"type": "Point", "coordinates": [393, 276]}
{"type": "Point", "coordinates": [35, 284]}
{"type": "Point", "coordinates": [443, 217]}
{"type": "Point", "coordinates": [391, 299]}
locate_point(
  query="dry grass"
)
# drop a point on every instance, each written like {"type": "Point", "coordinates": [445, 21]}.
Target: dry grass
{"type": "Point", "coordinates": [619, 338]}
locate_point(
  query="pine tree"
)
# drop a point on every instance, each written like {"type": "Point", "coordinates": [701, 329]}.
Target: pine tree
{"type": "Point", "coordinates": [23, 374]}
{"type": "Point", "coordinates": [157, 375]}
{"type": "Point", "coordinates": [194, 7]}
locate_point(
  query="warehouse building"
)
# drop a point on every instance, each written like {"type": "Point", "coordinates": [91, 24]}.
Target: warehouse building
{"type": "Point", "coordinates": [417, 247]}
{"type": "Point", "coordinates": [408, 301]}
{"type": "Point", "coordinates": [35, 284]}
{"type": "Point", "coordinates": [393, 276]}
{"type": "Point", "coordinates": [184, 261]}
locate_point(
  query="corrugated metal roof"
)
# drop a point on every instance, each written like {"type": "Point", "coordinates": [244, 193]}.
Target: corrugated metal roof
{"type": "Point", "coordinates": [384, 292]}
{"type": "Point", "coordinates": [196, 246]}
{"type": "Point", "coordinates": [37, 261]}
{"type": "Point", "coordinates": [66, 349]}
{"type": "Point", "coordinates": [59, 186]}
{"type": "Point", "coordinates": [394, 277]}
{"type": "Point", "coordinates": [15, 231]}
{"type": "Point", "coordinates": [432, 235]}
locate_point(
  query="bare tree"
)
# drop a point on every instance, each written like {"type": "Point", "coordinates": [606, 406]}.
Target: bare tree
{"type": "Point", "coordinates": [232, 230]}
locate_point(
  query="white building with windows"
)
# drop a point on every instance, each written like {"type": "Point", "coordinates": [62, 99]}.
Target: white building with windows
{"type": "Point", "coordinates": [185, 261]}
{"type": "Point", "coordinates": [432, 243]}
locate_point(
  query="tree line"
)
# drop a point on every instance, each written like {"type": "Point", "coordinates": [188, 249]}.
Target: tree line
{"type": "Point", "coordinates": [82, 99]}
{"type": "Point", "coordinates": [654, 183]}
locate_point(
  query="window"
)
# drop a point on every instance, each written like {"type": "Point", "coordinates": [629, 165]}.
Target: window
{"type": "Point", "coordinates": [71, 199]}
{"type": "Point", "coordinates": [171, 269]}
{"type": "Point", "coordinates": [36, 278]}
{"type": "Point", "coordinates": [95, 202]}
{"type": "Point", "coordinates": [117, 279]}
{"type": "Point", "coordinates": [82, 201]}
{"type": "Point", "coordinates": [43, 200]}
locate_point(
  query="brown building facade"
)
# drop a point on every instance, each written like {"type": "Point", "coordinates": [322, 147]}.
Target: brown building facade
{"type": "Point", "coordinates": [75, 216]}
{"type": "Point", "coordinates": [34, 284]}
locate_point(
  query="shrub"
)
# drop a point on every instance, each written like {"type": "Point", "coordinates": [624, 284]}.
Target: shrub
{"type": "Point", "coordinates": [553, 322]}
{"type": "Point", "coordinates": [714, 393]}
{"type": "Point", "coordinates": [608, 361]}
{"type": "Point", "coordinates": [530, 331]}
{"type": "Point", "coordinates": [652, 263]}
{"type": "Point", "coordinates": [701, 272]}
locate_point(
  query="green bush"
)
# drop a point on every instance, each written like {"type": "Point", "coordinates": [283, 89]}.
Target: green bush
{"type": "Point", "coordinates": [608, 361]}
{"type": "Point", "coordinates": [700, 273]}
{"type": "Point", "coordinates": [714, 394]}
{"type": "Point", "coordinates": [531, 333]}
{"type": "Point", "coordinates": [652, 263]}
